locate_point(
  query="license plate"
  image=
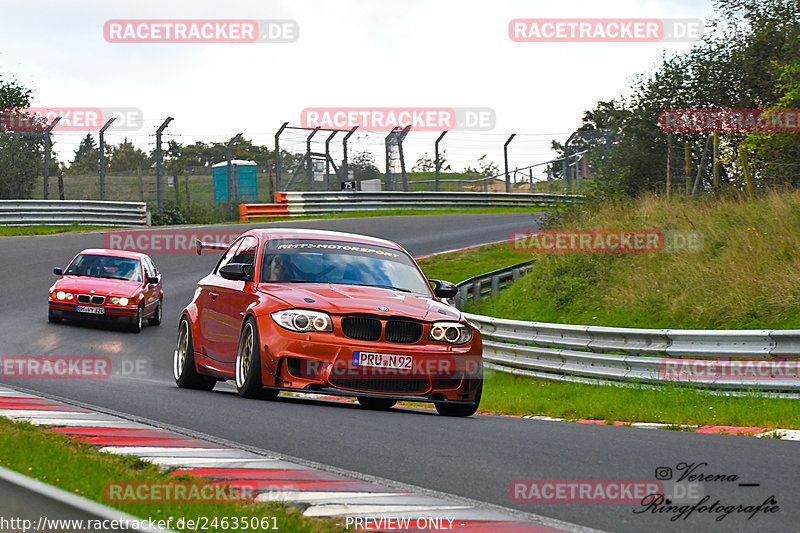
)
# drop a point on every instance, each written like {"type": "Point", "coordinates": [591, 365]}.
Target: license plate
{"type": "Point", "coordinates": [382, 360]}
{"type": "Point", "coordinates": [91, 310]}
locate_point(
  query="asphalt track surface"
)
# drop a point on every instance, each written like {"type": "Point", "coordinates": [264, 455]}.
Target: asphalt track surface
{"type": "Point", "coordinates": [476, 457]}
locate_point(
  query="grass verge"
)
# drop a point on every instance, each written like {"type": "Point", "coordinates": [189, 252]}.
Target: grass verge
{"type": "Point", "coordinates": [463, 264]}
{"type": "Point", "coordinates": [519, 395]}
{"type": "Point", "coordinates": [745, 277]}
{"type": "Point", "coordinates": [9, 231]}
{"type": "Point", "coordinates": [78, 468]}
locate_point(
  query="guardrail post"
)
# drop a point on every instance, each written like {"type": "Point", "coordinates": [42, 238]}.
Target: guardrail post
{"type": "Point", "coordinates": [47, 148]}
{"type": "Point", "coordinates": [495, 284]}
{"type": "Point", "coordinates": [103, 158]}
{"type": "Point", "coordinates": [278, 157]}
{"type": "Point", "coordinates": [160, 165]}
{"type": "Point", "coordinates": [476, 290]}
{"type": "Point", "coordinates": [505, 158]}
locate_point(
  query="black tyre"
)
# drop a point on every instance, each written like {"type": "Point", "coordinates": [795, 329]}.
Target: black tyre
{"type": "Point", "coordinates": [155, 318]}
{"type": "Point", "coordinates": [461, 409]}
{"type": "Point", "coordinates": [53, 316]}
{"type": "Point", "coordinates": [248, 364]}
{"type": "Point", "coordinates": [183, 369]}
{"type": "Point", "coordinates": [137, 321]}
{"type": "Point", "coordinates": [377, 404]}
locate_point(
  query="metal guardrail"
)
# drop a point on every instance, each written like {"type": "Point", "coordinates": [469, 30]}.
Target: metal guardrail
{"type": "Point", "coordinates": [488, 284]}
{"type": "Point", "coordinates": [306, 203]}
{"type": "Point", "coordinates": [67, 212]}
{"type": "Point", "coordinates": [597, 354]}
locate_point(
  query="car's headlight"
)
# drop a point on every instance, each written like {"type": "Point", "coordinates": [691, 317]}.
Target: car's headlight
{"type": "Point", "coordinates": [302, 320]}
{"type": "Point", "coordinates": [61, 295]}
{"type": "Point", "coordinates": [119, 301]}
{"type": "Point", "coordinates": [452, 332]}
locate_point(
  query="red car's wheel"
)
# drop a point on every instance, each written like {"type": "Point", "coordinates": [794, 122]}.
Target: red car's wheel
{"type": "Point", "coordinates": [136, 322]}
{"type": "Point", "coordinates": [248, 364]}
{"type": "Point", "coordinates": [155, 318]}
{"type": "Point", "coordinates": [183, 369]}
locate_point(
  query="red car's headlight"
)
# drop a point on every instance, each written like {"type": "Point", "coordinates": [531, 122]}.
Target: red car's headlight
{"type": "Point", "coordinates": [451, 332]}
{"type": "Point", "coordinates": [119, 301]}
{"type": "Point", "coordinates": [61, 295]}
{"type": "Point", "coordinates": [302, 320]}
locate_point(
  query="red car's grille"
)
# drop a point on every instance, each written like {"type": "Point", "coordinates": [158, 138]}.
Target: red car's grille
{"type": "Point", "coordinates": [96, 300]}
{"type": "Point", "coordinates": [403, 331]}
{"type": "Point", "coordinates": [361, 328]}
{"type": "Point", "coordinates": [382, 384]}
{"type": "Point", "coordinates": [369, 329]}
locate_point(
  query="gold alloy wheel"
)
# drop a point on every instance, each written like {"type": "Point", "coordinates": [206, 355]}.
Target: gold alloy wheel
{"type": "Point", "coordinates": [179, 358]}
{"type": "Point", "coordinates": [245, 355]}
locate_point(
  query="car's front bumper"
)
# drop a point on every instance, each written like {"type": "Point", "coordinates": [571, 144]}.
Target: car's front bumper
{"type": "Point", "coordinates": [110, 313]}
{"type": "Point", "coordinates": [323, 363]}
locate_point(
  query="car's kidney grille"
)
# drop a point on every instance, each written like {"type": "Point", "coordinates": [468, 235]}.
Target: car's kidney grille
{"type": "Point", "coordinates": [86, 298]}
{"type": "Point", "coordinates": [361, 328]}
{"type": "Point", "coordinates": [382, 384]}
{"type": "Point", "coordinates": [403, 331]}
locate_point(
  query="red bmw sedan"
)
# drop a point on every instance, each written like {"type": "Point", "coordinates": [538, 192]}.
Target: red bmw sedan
{"type": "Point", "coordinates": [111, 285]}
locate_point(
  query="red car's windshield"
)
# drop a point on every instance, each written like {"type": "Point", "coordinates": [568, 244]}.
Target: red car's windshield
{"type": "Point", "coordinates": [346, 263]}
{"type": "Point", "coordinates": [105, 266]}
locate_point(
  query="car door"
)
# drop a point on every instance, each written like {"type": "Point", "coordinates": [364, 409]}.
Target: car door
{"type": "Point", "coordinates": [151, 292]}
{"type": "Point", "coordinates": [210, 315]}
{"type": "Point", "coordinates": [235, 296]}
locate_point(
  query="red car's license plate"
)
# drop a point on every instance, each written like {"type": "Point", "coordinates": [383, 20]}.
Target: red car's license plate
{"type": "Point", "coordinates": [89, 309]}
{"type": "Point", "coordinates": [382, 360]}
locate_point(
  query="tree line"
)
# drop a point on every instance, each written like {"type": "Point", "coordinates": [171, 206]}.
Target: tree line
{"type": "Point", "coordinates": [749, 57]}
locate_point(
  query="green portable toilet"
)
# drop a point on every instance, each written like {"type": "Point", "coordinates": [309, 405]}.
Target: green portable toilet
{"type": "Point", "coordinates": [244, 174]}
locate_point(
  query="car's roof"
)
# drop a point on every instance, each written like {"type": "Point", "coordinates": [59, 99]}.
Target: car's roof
{"type": "Point", "coordinates": [115, 253]}
{"type": "Point", "coordinates": [302, 233]}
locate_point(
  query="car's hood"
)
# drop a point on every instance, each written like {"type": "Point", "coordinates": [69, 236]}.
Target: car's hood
{"type": "Point", "coordinates": [102, 286]}
{"type": "Point", "coordinates": [345, 299]}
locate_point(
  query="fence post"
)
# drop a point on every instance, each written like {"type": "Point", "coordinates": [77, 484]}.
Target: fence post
{"type": "Point", "coordinates": [60, 185]}
{"type": "Point", "coordinates": [278, 157]}
{"type": "Point", "coordinates": [436, 152]}
{"type": "Point", "coordinates": [103, 157]}
{"type": "Point", "coordinates": [47, 148]}
{"type": "Point", "coordinates": [716, 161]}
{"type": "Point", "coordinates": [687, 161]}
{"type": "Point", "coordinates": [505, 158]}
{"type": "Point", "coordinates": [229, 157]}
{"type": "Point", "coordinates": [160, 165]}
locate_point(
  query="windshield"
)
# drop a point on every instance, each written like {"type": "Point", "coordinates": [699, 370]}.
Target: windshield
{"type": "Point", "coordinates": [105, 266]}
{"type": "Point", "coordinates": [344, 263]}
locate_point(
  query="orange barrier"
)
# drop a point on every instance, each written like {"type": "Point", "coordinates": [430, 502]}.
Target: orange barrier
{"type": "Point", "coordinates": [250, 211]}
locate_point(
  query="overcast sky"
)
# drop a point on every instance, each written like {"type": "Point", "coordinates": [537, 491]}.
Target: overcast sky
{"type": "Point", "coordinates": [424, 53]}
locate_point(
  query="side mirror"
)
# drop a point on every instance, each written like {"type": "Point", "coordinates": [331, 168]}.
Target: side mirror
{"type": "Point", "coordinates": [235, 272]}
{"type": "Point", "coordinates": [151, 279]}
{"type": "Point", "coordinates": [443, 289]}
{"type": "Point", "coordinates": [58, 271]}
